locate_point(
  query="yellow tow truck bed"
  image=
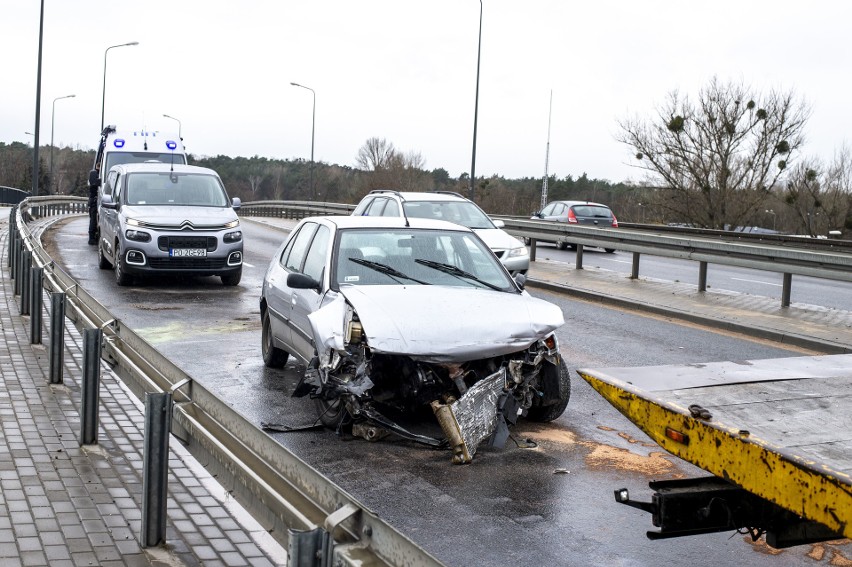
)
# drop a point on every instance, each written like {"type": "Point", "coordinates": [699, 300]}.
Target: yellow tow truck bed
{"type": "Point", "coordinates": [779, 428]}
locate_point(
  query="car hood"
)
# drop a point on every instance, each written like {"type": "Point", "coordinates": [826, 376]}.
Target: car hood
{"type": "Point", "coordinates": [437, 323]}
{"type": "Point", "coordinates": [178, 216]}
{"type": "Point", "coordinates": [497, 238]}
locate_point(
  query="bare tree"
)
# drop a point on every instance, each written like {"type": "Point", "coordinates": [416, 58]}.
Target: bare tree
{"type": "Point", "coordinates": [820, 197]}
{"type": "Point", "coordinates": [376, 154]}
{"type": "Point", "coordinates": [716, 159]}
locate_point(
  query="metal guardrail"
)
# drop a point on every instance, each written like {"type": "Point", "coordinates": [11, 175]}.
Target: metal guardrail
{"type": "Point", "coordinates": [293, 209]}
{"type": "Point", "coordinates": [285, 494]}
{"type": "Point", "coordinates": [12, 196]}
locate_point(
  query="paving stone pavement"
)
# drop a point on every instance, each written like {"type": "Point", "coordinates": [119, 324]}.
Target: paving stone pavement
{"type": "Point", "coordinates": [67, 505]}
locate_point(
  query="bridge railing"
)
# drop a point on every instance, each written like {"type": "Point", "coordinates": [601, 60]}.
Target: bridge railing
{"type": "Point", "coordinates": [300, 507]}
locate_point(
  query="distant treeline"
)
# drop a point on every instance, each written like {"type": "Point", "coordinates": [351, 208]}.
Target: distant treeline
{"type": "Point", "coordinates": [259, 178]}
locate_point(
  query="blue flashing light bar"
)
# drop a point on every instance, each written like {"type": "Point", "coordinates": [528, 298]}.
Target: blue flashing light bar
{"type": "Point", "coordinates": [171, 145]}
{"type": "Point", "coordinates": [118, 143]}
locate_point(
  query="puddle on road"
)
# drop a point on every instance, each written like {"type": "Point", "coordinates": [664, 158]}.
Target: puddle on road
{"type": "Point", "coordinates": [178, 331]}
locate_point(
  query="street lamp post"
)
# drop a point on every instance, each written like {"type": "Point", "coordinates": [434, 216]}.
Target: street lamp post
{"type": "Point", "coordinates": [52, 122]}
{"type": "Point", "coordinates": [476, 108]}
{"type": "Point", "coordinates": [313, 130]}
{"type": "Point", "coordinates": [179, 126]}
{"type": "Point", "coordinates": [38, 103]}
{"type": "Point", "coordinates": [103, 95]}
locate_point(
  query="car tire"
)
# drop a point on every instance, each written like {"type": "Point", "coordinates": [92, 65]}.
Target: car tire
{"type": "Point", "coordinates": [331, 412]}
{"type": "Point", "coordinates": [527, 241]}
{"type": "Point", "coordinates": [122, 278]}
{"type": "Point", "coordinates": [562, 245]}
{"type": "Point", "coordinates": [609, 250]}
{"type": "Point", "coordinates": [273, 357]}
{"type": "Point", "coordinates": [543, 414]}
{"type": "Point", "coordinates": [103, 263]}
{"type": "Point", "coordinates": [233, 278]}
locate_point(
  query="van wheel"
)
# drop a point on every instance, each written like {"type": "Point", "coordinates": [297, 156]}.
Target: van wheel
{"type": "Point", "coordinates": [233, 278]}
{"type": "Point", "coordinates": [103, 263]}
{"type": "Point", "coordinates": [122, 278]}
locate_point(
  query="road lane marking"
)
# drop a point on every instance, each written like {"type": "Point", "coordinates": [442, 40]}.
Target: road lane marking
{"type": "Point", "coordinates": [757, 281]}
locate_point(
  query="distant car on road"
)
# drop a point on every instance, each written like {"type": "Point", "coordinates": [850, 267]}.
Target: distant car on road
{"type": "Point", "coordinates": [391, 316]}
{"type": "Point", "coordinates": [578, 212]}
{"type": "Point", "coordinates": [168, 219]}
{"type": "Point", "coordinates": [448, 206]}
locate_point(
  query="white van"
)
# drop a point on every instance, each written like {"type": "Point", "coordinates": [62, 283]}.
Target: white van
{"type": "Point", "coordinates": [120, 147]}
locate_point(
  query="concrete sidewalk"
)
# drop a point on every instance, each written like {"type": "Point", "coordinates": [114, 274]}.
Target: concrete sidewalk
{"type": "Point", "coordinates": [64, 505]}
{"type": "Point", "coordinates": [808, 326]}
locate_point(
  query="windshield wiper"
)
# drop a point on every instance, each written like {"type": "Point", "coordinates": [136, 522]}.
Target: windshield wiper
{"type": "Point", "coordinates": [385, 269]}
{"type": "Point", "coordinates": [456, 271]}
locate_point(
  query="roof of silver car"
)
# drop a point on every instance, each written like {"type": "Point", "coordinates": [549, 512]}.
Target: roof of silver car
{"type": "Point", "coordinates": [343, 222]}
{"type": "Point", "coordinates": [422, 196]}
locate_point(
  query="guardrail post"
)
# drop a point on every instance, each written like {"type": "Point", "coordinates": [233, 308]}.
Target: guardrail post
{"type": "Point", "coordinates": [11, 241]}
{"type": "Point", "coordinates": [532, 249]}
{"type": "Point", "coordinates": [634, 269]}
{"type": "Point", "coordinates": [702, 276]}
{"type": "Point", "coordinates": [579, 264]}
{"type": "Point", "coordinates": [91, 386]}
{"type": "Point", "coordinates": [155, 467]}
{"type": "Point", "coordinates": [57, 336]}
{"type": "Point", "coordinates": [786, 290]}
{"type": "Point", "coordinates": [25, 282]}
{"type": "Point", "coordinates": [19, 258]}
{"type": "Point", "coordinates": [36, 293]}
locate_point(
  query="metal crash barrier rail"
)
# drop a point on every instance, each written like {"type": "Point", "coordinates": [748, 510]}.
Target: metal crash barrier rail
{"type": "Point", "coordinates": [319, 523]}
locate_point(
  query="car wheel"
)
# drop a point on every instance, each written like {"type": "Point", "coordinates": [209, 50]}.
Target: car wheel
{"type": "Point", "coordinates": [121, 276]}
{"type": "Point", "coordinates": [331, 412]}
{"type": "Point", "coordinates": [273, 357]}
{"type": "Point", "coordinates": [562, 245]}
{"type": "Point", "coordinates": [609, 250]}
{"type": "Point", "coordinates": [527, 241]}
{"type": "Point", "coordinates": [233, 278]}
{"type": "Point", "coordinates": [549, 413]}
{"type": "Point", "coordinates": [103, 263]}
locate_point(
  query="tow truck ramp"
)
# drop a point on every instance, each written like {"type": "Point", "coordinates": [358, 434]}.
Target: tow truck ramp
{"type": "Point", "coordinates": [775, 434]}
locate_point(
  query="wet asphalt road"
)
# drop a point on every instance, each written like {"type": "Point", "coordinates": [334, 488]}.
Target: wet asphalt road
{"type": "Point", "coordinates": [545, 500]}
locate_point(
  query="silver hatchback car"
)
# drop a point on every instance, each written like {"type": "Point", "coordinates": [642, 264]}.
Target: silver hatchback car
{"type": "Point", "coordinates": [393, 315]}
{"type": "Point", "coordinates": [173, 219]}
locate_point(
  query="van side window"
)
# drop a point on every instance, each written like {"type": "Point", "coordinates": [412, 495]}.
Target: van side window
{"type": "Point", "coordinates": [111, 179]}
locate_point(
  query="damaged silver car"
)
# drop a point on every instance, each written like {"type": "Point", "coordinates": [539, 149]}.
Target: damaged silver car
{"type": "Point", "coordinates": [391, 315]}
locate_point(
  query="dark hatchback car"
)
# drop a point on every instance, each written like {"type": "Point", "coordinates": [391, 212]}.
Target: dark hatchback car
{"type": "Point", "coordinates": [578, 212]}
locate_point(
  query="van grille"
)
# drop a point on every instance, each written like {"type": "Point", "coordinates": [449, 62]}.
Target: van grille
{"type": "Point", "coordinates": [187, 263]}
{"type": "Point", "coordinates": [166, 243]}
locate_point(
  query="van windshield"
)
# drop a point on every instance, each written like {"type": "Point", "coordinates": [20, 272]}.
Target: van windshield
{"type": "Point", "coordinates": [118, 158]}
{"type": "Point", "coordinates": [175, 189]}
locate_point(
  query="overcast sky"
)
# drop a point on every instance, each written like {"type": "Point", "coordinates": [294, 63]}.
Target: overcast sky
{"type": "Point", "coordinates": [406, 71]}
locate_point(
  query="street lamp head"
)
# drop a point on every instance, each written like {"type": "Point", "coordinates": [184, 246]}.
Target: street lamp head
{"type": "Point", "coordinates": [132, 43]}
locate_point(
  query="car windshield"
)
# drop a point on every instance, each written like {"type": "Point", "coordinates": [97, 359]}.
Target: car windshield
{"type": "Point", "coordinates": [118, 158]}
{"type": "Point", "coordinates": [169, 188]}
{"type": "Point", "coordinates": [417, 257]}
{"type": "Point", "coordinates": [464, 213]}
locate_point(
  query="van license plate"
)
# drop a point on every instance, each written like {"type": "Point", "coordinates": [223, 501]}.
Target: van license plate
{"type": "Point", "coordinates": [188, 252]}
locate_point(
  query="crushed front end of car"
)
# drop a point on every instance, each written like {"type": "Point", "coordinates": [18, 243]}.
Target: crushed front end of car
{"type": "Point", "coordinates": [389, 352]}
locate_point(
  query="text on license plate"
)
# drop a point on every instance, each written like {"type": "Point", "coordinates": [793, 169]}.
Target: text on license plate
{"type": "Point", "coordinates": [190, 252]}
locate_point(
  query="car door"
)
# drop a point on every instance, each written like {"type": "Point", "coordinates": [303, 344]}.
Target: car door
{"type": "Point", "coordinates": [306, 301]}
{"type": "Point", "coordinates": [108, 218]}
{"type": "Point", "coordinates": [279, 297]}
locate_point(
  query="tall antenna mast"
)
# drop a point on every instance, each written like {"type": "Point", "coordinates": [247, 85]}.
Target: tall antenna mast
{"type": "Point", "coordinates": [547, 154]}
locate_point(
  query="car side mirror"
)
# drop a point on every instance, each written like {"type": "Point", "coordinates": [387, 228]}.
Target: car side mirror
{"type": "Point", "coordinates": [520, 280]}
{"type": "Point", "coordinates": [302, 281]}
{"type": "Point", "coordinates": [94, 178]}
{"type": "Point", "coordinates": [499, 224]}
{"type": "Point", "coordinates": [108, 203]}
{"type": "Point", "coordinates": [236, 203]}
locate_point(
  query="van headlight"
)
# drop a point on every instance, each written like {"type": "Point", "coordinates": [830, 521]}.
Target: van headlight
{"type": "Point", "coordinates": [230, 237]}
{"type": "Point", "coordinates": [137, 235]}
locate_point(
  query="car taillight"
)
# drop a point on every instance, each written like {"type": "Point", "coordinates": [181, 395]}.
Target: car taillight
{"type": "Point", "coordinates": [572, 218]}
{"type": "Point", "coordinates": [614, 222]}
